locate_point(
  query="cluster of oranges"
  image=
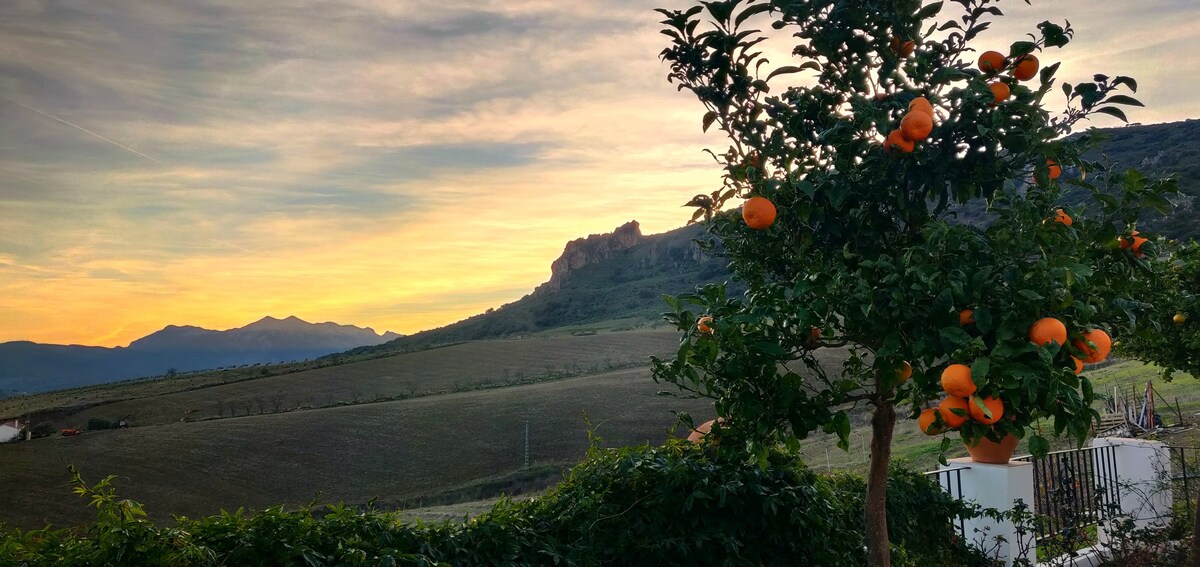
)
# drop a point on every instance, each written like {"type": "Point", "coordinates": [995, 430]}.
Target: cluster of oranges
{"type": "Point", "coordinates": [962, 402]}
{"type": "Point", "coordinates": [1024, 68]}
{"type": "Point", "coordinates": [914, 127]}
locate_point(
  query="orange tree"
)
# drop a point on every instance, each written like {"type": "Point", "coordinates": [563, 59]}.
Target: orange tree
{"type": "Point", "coordinates": [1170, 332]}
{"type": "Point", "coordinates": [854, 234]}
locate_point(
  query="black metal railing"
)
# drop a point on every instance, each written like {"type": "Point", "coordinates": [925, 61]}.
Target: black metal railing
{"type": "Point", "coordinates": [1073, 490]}
{"type": "Point", "coordinates": [951, 481]}
{"type": "Point", "coordinates": [1185, 480]}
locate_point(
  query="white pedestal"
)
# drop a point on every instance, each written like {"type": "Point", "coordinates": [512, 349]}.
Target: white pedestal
{"type": "Point", "coordinates": [998, 487]}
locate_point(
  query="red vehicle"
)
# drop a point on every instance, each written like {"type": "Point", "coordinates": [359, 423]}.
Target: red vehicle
{"type": "Point", "coordinates": [70, 431]}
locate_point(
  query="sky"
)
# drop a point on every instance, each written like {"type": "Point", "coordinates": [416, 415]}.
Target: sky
{"type": "Point", "coordinates": [394, 164]}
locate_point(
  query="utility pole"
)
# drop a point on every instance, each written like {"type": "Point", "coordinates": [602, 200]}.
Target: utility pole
{"type": "Point", "coordinates": [526, 467]}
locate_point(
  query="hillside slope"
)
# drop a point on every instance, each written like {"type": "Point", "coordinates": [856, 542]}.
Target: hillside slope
{"type": "Point", "coordinates": [348, 454]}
{"type": "Point", "coordinates": [479, 364]}
{"type": "Point", "coordinates": [1161, 150]}
{"type": "Point", "coordinates": [622, 275]}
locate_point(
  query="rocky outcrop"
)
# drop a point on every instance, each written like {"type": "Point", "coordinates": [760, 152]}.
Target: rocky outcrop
{"type": "Point", "coordinates": [586, 251]}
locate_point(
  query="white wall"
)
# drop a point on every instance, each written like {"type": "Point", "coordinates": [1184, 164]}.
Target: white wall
{"type": "Point", "coordinates": [997, 486]}
{"type": "Point", "coordinates": [1143, 479]}
{"type": "Point", "coordinates": [8, 433]}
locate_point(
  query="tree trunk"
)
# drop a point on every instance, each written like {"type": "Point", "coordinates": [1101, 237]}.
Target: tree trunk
{"type": "Point", "coordinates": [879, 548]}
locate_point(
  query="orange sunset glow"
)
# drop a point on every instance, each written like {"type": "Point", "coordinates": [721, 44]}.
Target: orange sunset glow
{"type": "Point", "coordinates": [394, 165]}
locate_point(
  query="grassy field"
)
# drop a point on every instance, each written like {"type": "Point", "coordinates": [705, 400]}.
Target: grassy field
{"type": "Point", "coordinates": [438, 370]}
{"type": "Point", "coordinates": [458, 437]}
{"type": "Point", "coordinates": [392, 450]}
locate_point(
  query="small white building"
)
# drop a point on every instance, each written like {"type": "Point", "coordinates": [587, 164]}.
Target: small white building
{"type": "Point", "coordinates": [10, 431]}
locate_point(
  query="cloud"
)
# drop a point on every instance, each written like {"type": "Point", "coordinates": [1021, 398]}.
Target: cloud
{"type": "Point", "coordinates": [393, 164]}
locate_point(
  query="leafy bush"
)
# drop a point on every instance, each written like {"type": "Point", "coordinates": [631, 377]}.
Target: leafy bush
{"type": "Point", "coordinates": [96, 423]}
{"type": "Point", "coordinates": [667, 505]}
{"type": "Point", "coordinates": [43, 429]}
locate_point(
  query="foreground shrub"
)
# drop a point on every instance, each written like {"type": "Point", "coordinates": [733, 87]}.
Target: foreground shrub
{"type": "Point", "coordinates": [668, 505]}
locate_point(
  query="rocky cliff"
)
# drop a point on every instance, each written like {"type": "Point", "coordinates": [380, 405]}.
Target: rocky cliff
{"type": "Point", "coordinates": [591, 250]}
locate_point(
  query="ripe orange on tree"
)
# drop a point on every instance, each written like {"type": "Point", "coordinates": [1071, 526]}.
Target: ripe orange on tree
{"type": "Point", "coordinates": [956, 380]}
{"type": "Point", "coordinates": [897, 142]}
{"type": "Point", "coordinates": [1136, 243]}
{"type": "Point", "coordinates": [991, 62]}
{"type": "Point", "coordinates": [1048, 329]}
{"type": "Point", "coordinates": [1133, 243]}
{"type": "Point", "coordinates": [1055, 169]}
{"type": "Point", "coordinates": [1078, 365]}
{"type": "Point", "coordinates": [754, 161]}
{"type": "Point", "coordinates": [701, 432]}
{"type": "Point", "coordinates": [1000, 91]}
{"type": "Point", "coordinates": [905, 371]}
{"type": "Point", "coordinates": [1179, 318]}
{"type": "Point", "coordinates": [1061, 216]}
{"type": "Point", "coordinates": [927, 422]}
{"type": "Point", "coordinates": [916, 126]}
{"type": "Point", "coordinates": [966, 317]}
{"type": "Point", "coordinates": [921, 104]}
{"type": "Point", "coordinates": [1099, 338]}
{"type": "Point", "coordinates": [994, 406]}
{"type": "Point", "coordinates": [1027, 68]}
{"type": "Point", "coordinates": [702, 325]}
{"type": "Point", "coordinates": [758, 212]}
{"type": "Point", "coordinates": [947, 409]}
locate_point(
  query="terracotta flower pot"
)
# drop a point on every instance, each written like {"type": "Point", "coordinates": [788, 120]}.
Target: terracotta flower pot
{"type": "Point", "coordinates": [988, 451]}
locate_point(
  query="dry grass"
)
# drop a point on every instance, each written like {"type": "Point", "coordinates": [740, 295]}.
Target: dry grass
{"type": "Point", "coordinates": [440, 370]}
{"type": "Point", "coordinates": [389, 450]}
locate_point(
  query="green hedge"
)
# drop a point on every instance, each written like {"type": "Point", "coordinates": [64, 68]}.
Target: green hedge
{"type": "Point", "coordinates": [669, 505]}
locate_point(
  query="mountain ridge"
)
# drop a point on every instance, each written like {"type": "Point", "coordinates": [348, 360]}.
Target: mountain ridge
{"type": "Point", "coordinates": [26, 366]}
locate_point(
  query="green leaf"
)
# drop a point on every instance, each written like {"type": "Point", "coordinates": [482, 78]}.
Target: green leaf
{"type": "Point", "coordinates": [983, 320]}
{"type": "Point", "coordinates": [1122, 99]}
{"type": "Point", "coordinates": [841, 425]}
{"type": "Point", "coordinates": [1030, 295]}
{"type": "Point", "coordinates": [1048, 72]}
{"type": "Point", "coordinates": [987, 413]}
{"type": "Point", "coordinates": [929, 11]}
{"type": "Point", "coordinates": [751, 11]}
{"type": "Point", "coordinates": [942, 450]}
{"type": "Point", "coordinates": [1112, 111]}
{"type": "Point", "coordinates": [709, 118]}
{"type": "Point", "coordinates": [1021, 48]}
{"type": "Point", "coordinates": [955, 336]}
{"type": "Point", "coordinates": [1039, 446]}
{"type": "Point", "coordinates": [1127, 81]}
{"type": "Point", "coordinates": [979, 370]}
{"type": "Point", "coordinates": [793, 69]}
{"type": "Point", "coordinates": [770, 348]}
{"type": "Point", "coordinates": [948, 74]}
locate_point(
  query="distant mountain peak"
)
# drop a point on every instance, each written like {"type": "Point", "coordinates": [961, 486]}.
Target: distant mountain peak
{"type": "Point", "coordinates": [272, 323]}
